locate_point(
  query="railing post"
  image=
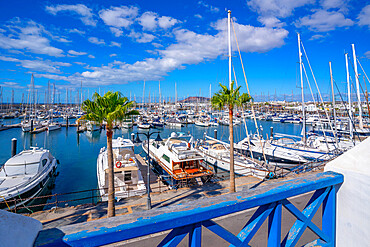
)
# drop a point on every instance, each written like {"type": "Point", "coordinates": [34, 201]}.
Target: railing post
{"type": "Point", "coordinates": [274, 227]}
{"type": "Point", "coordinates": [195, 235]}
{"type": "Point", "coordinates": [329, 215]}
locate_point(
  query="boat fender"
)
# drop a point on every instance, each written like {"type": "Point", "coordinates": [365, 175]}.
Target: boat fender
{"type": "Point", "coordinates": [271, 175]}
{"type": "Point", "coordinates": [130, 159]}
{"type": "Point", "coordinates": [58, 162]}
{"type": "Point", "coordinates": [56, 174]}
{"type": "Point", "coordinates": [41, 184]}
{"type": "Point", "coordinates": [118, 164]}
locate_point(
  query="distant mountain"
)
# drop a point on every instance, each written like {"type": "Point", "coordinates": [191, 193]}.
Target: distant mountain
{"type": "Point", "coordinates": [195, 100]}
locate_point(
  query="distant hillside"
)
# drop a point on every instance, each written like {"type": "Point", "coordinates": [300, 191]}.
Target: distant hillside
{"type": "Point", "coordinates": [195, 100]}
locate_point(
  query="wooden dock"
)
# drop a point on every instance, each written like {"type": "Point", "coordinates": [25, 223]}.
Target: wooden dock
{"type": "Point", "coordinates": [156, 185]}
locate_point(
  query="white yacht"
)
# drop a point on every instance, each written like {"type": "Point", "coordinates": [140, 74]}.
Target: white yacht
{"type": "Point", "coordinates": [202, 123]}
{"type": "Point", "coordinates": [218, 155]}
{"type": "Point", "coordinates": [54, 126]}
{"type": "Point", "coordinates": [24, 176]}
{"type": "Point", "coordinates": [90, 126]}
{"type": "Point", "coordinates": [177, 160]}
{"type": "Point", "coordinates": [128, 180]}
{"type": "Point", "coordinates": [262, 148]}
{"type": "Point", "coordinates": [143, 125]}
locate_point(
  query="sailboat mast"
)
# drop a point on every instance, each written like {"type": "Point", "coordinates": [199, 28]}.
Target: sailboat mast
{"type": "Point", "coordinates": [358, 87]}
{"type": "Point", "coordinates": [160, 96]}
{"type": "Point", "coordinates": [333, 97]}
{"type": "Point", "coordinates": [303, 106]}
{"type": "Point", "coordinates": [349, 100]}
{"type": "Point", "coordinates": [229, 42]}
{"type": "Point", "coordinates": [143, 101]}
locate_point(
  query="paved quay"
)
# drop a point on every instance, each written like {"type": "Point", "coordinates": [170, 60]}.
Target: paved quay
{"type": "Point", "coordinates": [89, 212]}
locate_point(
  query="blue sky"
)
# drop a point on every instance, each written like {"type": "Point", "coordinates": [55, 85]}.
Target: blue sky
{"type": "Point", "coordinates": [116, 45]}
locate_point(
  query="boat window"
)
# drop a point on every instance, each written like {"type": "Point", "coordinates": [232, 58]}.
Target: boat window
{"type": "Point", "coordinates": [166, 158]}
{"type": "Point", "coordinates": [44, 162]}
{"type": "Point", "coordinates": [127, 176]}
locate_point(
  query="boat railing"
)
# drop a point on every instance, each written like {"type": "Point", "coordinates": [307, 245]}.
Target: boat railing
{"type": "Point", "coordinates": [274, 203]}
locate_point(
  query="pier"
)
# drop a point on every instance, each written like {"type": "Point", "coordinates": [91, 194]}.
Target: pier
{"type": "Point", "coordinates": [191, 217]}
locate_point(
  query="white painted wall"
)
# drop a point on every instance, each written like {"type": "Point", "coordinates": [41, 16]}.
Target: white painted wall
{"type": "Point", "coordinates": [353, 197]}
{"type": "Point", "coordinates": [18, 230]}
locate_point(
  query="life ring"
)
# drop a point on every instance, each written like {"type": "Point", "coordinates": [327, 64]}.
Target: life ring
{"type": "Point", "coordinates": [118, 164]}
{"type": "Point", "coordinates": [130, 159]}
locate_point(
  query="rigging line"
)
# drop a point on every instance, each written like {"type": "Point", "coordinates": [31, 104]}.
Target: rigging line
{"type": "Point", "coordinates": [236, 82]}
{"type": "Point", "coordinates": [363, 69]}
{"type": "Point", "coordinates": [246, 83]}
{"type": "Point", "coordinates": [314, 101]}
{"type": "Point", "coordinates": [317, 87]}
{"type": "Point", "coordinates": [347, 110]}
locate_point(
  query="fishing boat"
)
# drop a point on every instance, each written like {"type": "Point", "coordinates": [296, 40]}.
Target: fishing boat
{"type": "Point", "coordinates": [25, 175]}
{"type": "Point", "coordinates": [128, 180]}
{"type": "Point", "coordinates": [218, 155]}
{"type": "Point", "coordinates": [177, 161]}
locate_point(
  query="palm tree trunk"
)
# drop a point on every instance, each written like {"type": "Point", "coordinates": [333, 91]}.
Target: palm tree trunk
{"type": "Point", "coordinates": [111, 196]}
{"type": "Point", "coordinates": [231, 131]}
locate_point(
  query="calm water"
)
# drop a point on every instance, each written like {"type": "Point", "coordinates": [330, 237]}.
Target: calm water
{"type": "Point", "coordinates": [77, 153]}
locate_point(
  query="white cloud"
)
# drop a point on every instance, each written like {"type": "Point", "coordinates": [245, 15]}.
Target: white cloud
{"type": "Point", "coordinates": [37, 65]}
{"type": "Point", "coordinates": [10, 84]}
{"type": "Point", "coordinates": [317, 36]}
{"type": "Point", "coordinates": [190, 48]}
{"type": "Point", "coordinates": [85, 14]}
{"type": "Point", "coordinates": [198, 16]}
{"type": "Point", "coordinates": [157, 45]}
{"type": "Point", "coordinates": [118, 18]}
{"type": "Point", "coordinates": [113, 55]}
{"type": "Point", "coordinates": [166, 22]}
{"type": "Point", "coordinates": [76, 53]}
{"type": "Point", "coordinates": [334, 4]}
{"type": "Point", "coordinates": [364, 17]}
{"type": "Point", "coordinates": [142, 37]}
{"type": "Point", "coordinates": [148, 20]}
{"type": "Point", "coordinates": [75, 30]}
{"type": "Point", "coordinates": [209, 7]}
{"type": "Point", "coordinates": [28, 36]}
{"type": "Point", "coordinates": [80, 63]}
{"type": "Point", "coordinates": [277, 8]}
{"type": "Point", "coordinates": [270, 21]}
{"type": "Point", "coordinates": [115, 44]}
{"type": "Point", "coordinates": [91, 56]}
{"type": "Point", "coordinates": [323, 21]}
{"type": "Point", "coordinates": [367, 54]}
{"type": "Point", "coordinates": [96, 41]}
{"type": "Point", "coordinates": [52, 77]}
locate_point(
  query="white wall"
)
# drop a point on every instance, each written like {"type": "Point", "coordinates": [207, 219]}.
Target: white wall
{"type": "Point", "coordinates": [18, 230]}
{"type": "Point", "coordinates": [353, 197]}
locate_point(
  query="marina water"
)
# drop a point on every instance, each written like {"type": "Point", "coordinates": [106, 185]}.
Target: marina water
{"type": "Point", "coordinates": [78, 153]}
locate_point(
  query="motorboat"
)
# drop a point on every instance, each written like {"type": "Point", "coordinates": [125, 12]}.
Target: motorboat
{"type": "Point", "coordinates": [177, 161]}
{"type": "Point", "coordinates": [25, 175]}
{"type": "Point", "coordinates": [91, 126]}
{"type": "Point", "coordinates": [128, 180]}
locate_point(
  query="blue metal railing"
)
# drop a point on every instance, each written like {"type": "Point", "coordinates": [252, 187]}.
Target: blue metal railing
{"type": "Point", "coordinates": [190, 218]}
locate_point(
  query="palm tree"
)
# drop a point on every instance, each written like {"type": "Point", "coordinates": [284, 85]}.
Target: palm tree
{"type": "Point", "coordinates": [108, 108]}
{"type": "Point", "coordinates": [230, 98]}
